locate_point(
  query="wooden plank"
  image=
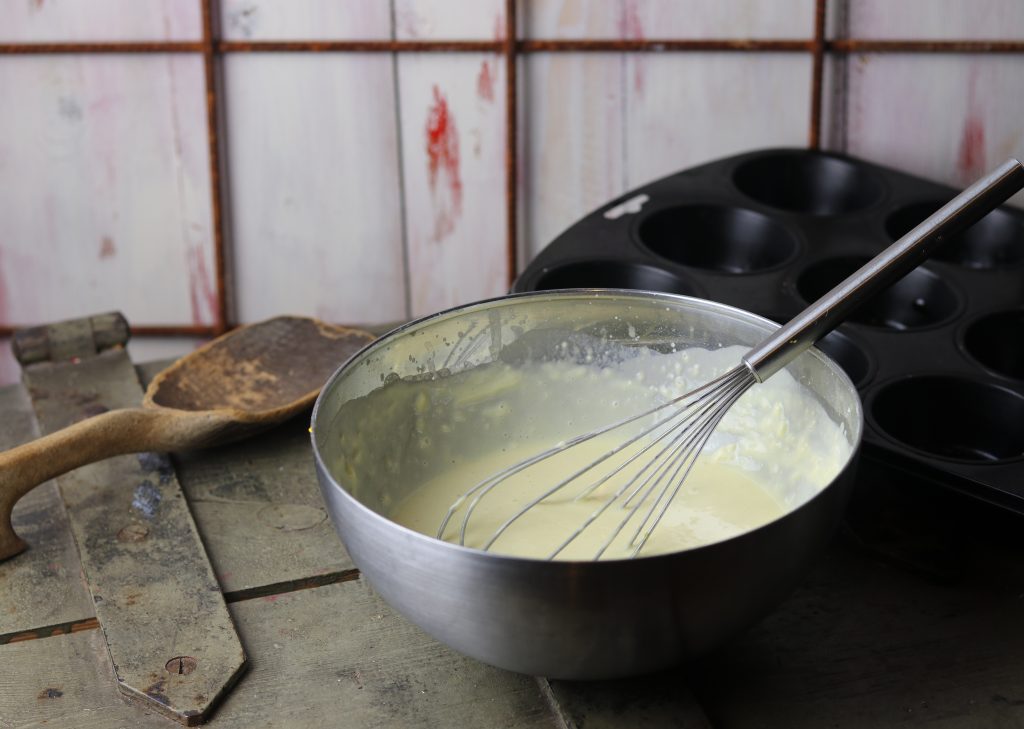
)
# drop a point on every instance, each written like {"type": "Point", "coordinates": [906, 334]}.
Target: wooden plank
{"type": "Point", "coordinates": [928, 20]}
{"type": "Point", "coordinates": [715, 19]}
{"type": "Point", "coordinates": [42, 586]}
{"type": "Point", "coordinates": [573, 143]}
{"type": "Point", "coordinates": [453, 152]}
{"type": "Point", "coordinates": [682, 110]}
{"type": "Point", "coordinates": [10, 372]}
{"type": "Point", "coordinates": [330, 656]}
{"type": "Point", "coordinates": [259, 509]}
{"type": "Point", "coordinates": [305, 19]}
{"type": "Point", "coordinates": [945, 117]}
{"type": "Point", "coordinates": [154, 591]}
{"type": "Point", "coordinates": [435, 20]}
{"type": "Point", "coordinates": [661, 701]}
{"type": "Point", "coordinates": [314, 186]}
{"type": "Point", "coordinates": [258, 506]}
{"type": "Point", "coordinates": [573, 19]}
{"type": "Point", "coordinates": [638, 19]}
{"type": "Point", "coordinates": [105, 184]}
{"type": "Point", "coordinates": [36, 21]}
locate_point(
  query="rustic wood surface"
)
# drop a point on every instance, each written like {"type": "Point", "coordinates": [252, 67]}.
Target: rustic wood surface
{"type": "Point", "coordinates": [152, 586]}
{"type": "Point", "coordinates": [42, 590]}
{"type": "Point", "coordinates": [242, 382]}
{"type": "Point", "coordinates": [911, 618]}
{"type": "Point", "coordinates": [260, 511]}
{"type": "Point", "coordinates": [331, 656]}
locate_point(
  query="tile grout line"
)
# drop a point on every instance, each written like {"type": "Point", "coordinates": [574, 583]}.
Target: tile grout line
{"type": "Point", "coordinates": [403, 212]}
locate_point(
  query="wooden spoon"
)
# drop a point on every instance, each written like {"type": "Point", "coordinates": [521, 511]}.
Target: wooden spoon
{"type": "Point", "coordinates": [245, 381]}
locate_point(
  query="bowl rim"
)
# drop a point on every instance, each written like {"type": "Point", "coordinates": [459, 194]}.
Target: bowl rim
{"type": "Point", "coordinates": [464, 551]}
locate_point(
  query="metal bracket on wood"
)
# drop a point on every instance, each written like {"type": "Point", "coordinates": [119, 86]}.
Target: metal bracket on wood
{"type": "Point", "coordinates": [170, 638]}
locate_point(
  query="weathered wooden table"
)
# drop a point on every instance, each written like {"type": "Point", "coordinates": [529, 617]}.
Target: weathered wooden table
{"type": "Point", "coordinates": [915, 616]}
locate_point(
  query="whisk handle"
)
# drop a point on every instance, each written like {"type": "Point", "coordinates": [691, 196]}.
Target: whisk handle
{"type": "Point", "coordinates": [825, 314]}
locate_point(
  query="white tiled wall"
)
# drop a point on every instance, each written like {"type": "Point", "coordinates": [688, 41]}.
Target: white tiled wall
{"type": "Point", "coordinates": [369, 187]}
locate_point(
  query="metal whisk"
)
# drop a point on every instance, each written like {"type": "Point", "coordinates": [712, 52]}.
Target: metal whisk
{"type": "Point", "coordinates": [667, 448]}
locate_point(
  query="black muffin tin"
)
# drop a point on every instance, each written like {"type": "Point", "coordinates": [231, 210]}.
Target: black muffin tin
{"type": "Point", "coordinates": [938, 358]}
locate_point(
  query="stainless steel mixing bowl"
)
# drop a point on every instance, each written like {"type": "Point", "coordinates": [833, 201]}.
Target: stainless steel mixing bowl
{"type": "Point", "coordinates": [574, 620]}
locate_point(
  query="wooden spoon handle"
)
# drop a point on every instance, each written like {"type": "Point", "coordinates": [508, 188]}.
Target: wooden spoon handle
{"type": "Point", "coordinates": [105, 435]}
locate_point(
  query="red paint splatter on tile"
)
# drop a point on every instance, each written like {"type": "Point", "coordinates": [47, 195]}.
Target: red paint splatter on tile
{"type": "Point", "coordinates": [107, 248]}
{"type": "Point", "coordinates": [485, 82]}
{"type": "Point", "coordinates": [202, 292]}
{"type": "Point", "coordinates": [500, 27]}
{"type": "Point", "coordinates": [271, 598]}
{"type": "Point", "coordinates": [443, 165]}
{"type": "Point", "coordinates": [36, 5]}
{"type": "Point", "coordinates": [970, 161]}
{"type": "Point", "coordinates": [630, 28]}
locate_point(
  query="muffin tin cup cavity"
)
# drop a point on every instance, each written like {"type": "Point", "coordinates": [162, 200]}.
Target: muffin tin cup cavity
{"type": "Point", "coordinates": [952, 417]}
{"type": "Point", "coordinates": [816, 184]}
{"type": "Point", "coordinates": [611, 275]}
{"type": "Point", "coordinates": [717, 238]}
{"type": "Point", "coordinates": [849, 355]}
{"type": "Point", "coordinates": [995, 241]}
{"type": "Point", "coordinates": [997, 342]}
{"type": "Point", "coordinates": [917, 300]}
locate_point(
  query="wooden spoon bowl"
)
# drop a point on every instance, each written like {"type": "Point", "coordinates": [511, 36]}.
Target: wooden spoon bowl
{"type": "Point", "coordinates": [238, 384]}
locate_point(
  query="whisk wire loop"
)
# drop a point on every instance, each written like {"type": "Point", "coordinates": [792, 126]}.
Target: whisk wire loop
{"type": "Point", "coordinates": [481, 489]}
{"type": "Point", "coordinates": [743, 381]}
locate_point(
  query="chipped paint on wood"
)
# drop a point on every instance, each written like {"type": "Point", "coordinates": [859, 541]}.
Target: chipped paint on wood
{"type": "Point", "coordinates": [929, 20]}
{"type": "Point", "coordinates": [683, 119]}
{"type": "Point", "coordinates": [573, 141]}
{"type": "Point", "coordinates": [443, 166]}
{"type": "Point", "coordinates": [944, 117]}
{"type": "Point", "coordinates": [108, 149]}
{"type": "Point", "coordinates": [314, 185]}
{"type": "Point", "coordinates": [305, 19]}
{"type": "Point", "coordinates": [453, 172]}
{"type": "Point", "coordinates": [100, 20]}
{"type": "Point", "coordinates": [437, 19]}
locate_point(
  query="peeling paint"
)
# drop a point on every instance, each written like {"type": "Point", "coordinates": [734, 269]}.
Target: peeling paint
{"type": "Point", "coordinates": [244, 19]}
{"type": "Point", "coordinates": [146, 499]}
{"type": "Point", "coordinates": [69, 109]}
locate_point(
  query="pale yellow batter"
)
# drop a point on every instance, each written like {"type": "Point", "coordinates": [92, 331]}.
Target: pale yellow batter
{"type": "Point", "coordinates": [717, 502]}
{"type": "Point", "coordinates": [412, 447]}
